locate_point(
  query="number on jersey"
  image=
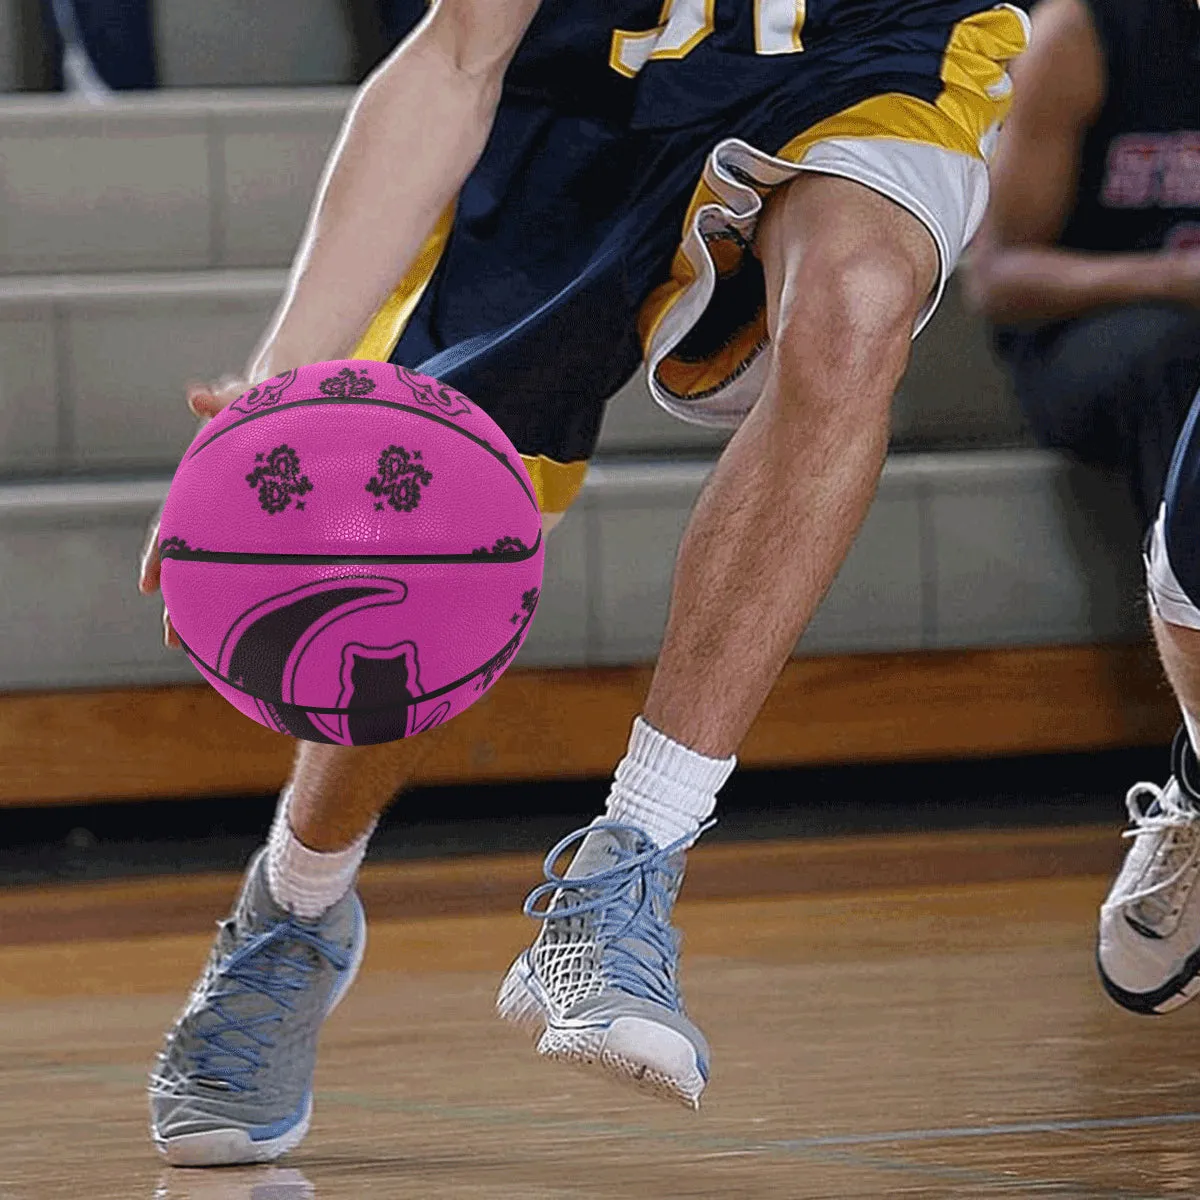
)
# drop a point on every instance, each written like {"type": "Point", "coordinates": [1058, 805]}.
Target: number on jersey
{"type": "Point", "coordinates": [686, 23]}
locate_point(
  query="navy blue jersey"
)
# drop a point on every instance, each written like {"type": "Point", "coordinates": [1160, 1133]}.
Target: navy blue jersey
{"type": "Point", "coordinates": [615, 59]}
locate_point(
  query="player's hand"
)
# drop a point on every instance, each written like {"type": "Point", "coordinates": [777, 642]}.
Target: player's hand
{"type": "Point", "coordinates": [205, 401]}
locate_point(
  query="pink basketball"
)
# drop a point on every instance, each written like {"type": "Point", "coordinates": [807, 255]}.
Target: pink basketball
{"type": "Point", "coordinates": [351, 553]}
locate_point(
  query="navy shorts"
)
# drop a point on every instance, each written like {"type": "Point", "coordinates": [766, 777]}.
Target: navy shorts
{"type": "Point", "coordinates": [611, 218]}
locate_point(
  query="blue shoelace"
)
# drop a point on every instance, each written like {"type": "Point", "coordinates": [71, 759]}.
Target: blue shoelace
{"type": "Point", "coordinates": [631, 903]}
{"type": "Point", "coordinates": [232, 1052]}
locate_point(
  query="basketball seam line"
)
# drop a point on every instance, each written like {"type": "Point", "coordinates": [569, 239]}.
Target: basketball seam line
{"type": "Point", "coordinates": [249, 559]}
{"type": "Point", "coordinates": [376, 403]}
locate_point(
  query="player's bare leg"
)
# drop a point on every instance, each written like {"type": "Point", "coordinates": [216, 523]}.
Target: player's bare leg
{"type": "Point", "coordinates": [1179, 650]}
{"type": "Point", "coordinates": [847, 273]}
{"type": "Point", "coordinates": [336, 794]}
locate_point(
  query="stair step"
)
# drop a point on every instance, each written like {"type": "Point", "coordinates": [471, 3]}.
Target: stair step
{"type": "Point", "coordinates": [161, 181]}
{"type": "Point", "coordinates": [969, 549]}
{"type": "Point", "coordinates": [92, 369]}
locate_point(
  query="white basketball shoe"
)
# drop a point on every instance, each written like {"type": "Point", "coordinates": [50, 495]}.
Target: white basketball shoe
{"type": "Point", "coordinates": [233, 1081]}
{"type": "Point", "coordinates": [600, 983]}
{"type": "Point", "coordinates": [1149, 945]}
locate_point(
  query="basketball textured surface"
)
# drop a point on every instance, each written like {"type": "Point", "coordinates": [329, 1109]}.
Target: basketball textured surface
{"type": "Point", "coordinates": [351, 552]}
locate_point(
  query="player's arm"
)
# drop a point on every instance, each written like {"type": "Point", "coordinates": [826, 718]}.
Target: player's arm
{"type": "Point", "coordinates": [415, 131]}
{"type": "Point", "coordinates": [1015, 271]}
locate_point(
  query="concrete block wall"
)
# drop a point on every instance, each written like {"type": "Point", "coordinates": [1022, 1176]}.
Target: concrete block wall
{"type": "Point", "coordinates": [228, 43]}
{"type": "Point", "coordinates": [960, 549]}
{"type": "Point", "coordinates": [92, 368]}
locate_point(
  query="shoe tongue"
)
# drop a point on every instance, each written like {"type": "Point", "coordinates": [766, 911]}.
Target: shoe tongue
{"type": "Point", "coordinates": [256, 908]}
{"type": "Point", "coordinates": [599, 851]}
{"type": "Point", "coordinates": [603, 849]}
{"type": "Point", "coordinates": [1179, 799]}
{"type": "Point", "coordinates": [1179, 795]}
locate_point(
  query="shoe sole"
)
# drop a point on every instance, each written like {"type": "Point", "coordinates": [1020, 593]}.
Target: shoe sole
{"type": "Point", "coordinates": [233, 1146]}
{"type": "Point", "coordinates": [646, 1054]}
{"type": "Point", "coordinates": [1175, 993]}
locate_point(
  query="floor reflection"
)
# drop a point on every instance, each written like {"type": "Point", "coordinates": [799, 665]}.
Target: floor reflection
{"type": "Point", "coordinates": [236, 1183]}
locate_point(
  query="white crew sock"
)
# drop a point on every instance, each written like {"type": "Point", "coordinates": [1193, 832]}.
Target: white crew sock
{"type": "Point", "coordinates": [663, 788]}
{"type": "Point", "coordinates": [308, 882]}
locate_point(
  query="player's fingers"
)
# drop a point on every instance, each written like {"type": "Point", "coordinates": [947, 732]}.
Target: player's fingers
{"type": "Point", "coordinates": [206, 400]}
{"type": "Point", "coordinates": [149, 576]}
{"type": "Point", "coordinates": [203, 403]}
{"type": "Point", "coordinates": [170, 637]}
{"type": "Point", "coordinates": [227, 391]}
{"type": "Point", "coordinates": [229, 388]}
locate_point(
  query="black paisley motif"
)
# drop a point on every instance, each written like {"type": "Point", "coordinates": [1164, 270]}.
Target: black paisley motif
{"type": "Point", "coordinates": [529, 603]}
{"type": "Point", "coordinates": [504, 545]}
{"type": "Point", "coordinates": [496, 664]}
{"type": "Point", "coordinates": [278, 480]}
{"type": "Point", "coordinates": [400, 478]}
{"type": "Point", "coordinates": [347, 384]}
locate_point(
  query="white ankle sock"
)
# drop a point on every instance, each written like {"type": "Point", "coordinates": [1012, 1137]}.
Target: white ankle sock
{"type": "Point", "coordinates": [303, 881]}
{"type": "Point", "coordinates": [663, 788]}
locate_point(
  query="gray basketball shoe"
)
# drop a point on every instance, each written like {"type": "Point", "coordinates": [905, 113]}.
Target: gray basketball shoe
{"type": "Point", "coordinates": [233, 1081]}
{"type": "Point", "coordinates": [1148, 951]}
{"type": "Point", "coordinates": [600, 982]}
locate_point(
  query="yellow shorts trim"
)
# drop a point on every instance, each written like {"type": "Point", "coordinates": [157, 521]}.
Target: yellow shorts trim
{"type": "Point", "coordinates": [976, 95]}
{"type": "Point", "coordinates": [555, 484]}
{"type": "Point", "coordinates": [388, 323]}
{"type": "Point", "coordinates": [677, 375]}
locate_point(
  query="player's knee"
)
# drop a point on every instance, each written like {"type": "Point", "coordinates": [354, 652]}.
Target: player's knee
{"type": "Point", "coordinates": [845, 318]}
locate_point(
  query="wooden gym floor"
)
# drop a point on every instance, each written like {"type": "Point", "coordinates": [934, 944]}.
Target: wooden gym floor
{"type": "Point", "coordinates": [908, 1017]}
